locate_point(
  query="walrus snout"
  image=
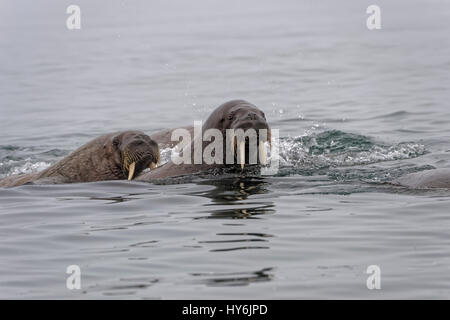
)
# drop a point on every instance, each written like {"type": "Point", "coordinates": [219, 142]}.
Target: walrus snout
{"type": "Point", "coordinates": [256, 125]}
{"type": "Point", "coordinates": [139, 154]}
{"type": "Point", "coordinates": [248, 152]}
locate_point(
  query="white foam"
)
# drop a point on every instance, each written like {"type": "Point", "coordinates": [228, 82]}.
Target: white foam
{"type": "Point", "coordinates": [294, 153]}
{"type": "Point", "coordinates": [166, 154]}
{"type": "Point", "coordinates": [19, 167]}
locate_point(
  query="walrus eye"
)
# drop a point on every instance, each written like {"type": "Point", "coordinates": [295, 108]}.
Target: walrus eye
{"type": "Point", "coordinates": [115, 141]}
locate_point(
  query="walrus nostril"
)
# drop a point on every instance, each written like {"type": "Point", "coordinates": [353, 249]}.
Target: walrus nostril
{"type": "Point", "coordinates": [252, 116]}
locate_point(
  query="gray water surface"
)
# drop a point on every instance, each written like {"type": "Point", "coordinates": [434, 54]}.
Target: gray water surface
{"type": "Point", "coordinates": [355, 109]}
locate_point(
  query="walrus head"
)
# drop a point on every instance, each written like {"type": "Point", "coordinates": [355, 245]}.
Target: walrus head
{"type": "Point", "coordinates": [133, 151]}
{"type": "Point", "coordinates": [240, 114]}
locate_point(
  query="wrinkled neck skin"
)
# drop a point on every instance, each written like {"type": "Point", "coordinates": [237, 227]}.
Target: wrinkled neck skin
{"type": "Point", "coordinates": [222, 118]}
{"type": "Point", "coordinates": [93, 161]}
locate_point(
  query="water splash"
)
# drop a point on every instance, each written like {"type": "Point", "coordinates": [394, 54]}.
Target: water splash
{"type": "Point", "coordinates": [336, 148]}
{"type": "Point", "coordinates": [13, 167]}
{"type": "Point", "coordinates": [27, 159]}
{"type": "Point", "coordinates": [302, 154]}
{"type": "Point", "coordinates": [166, 154]}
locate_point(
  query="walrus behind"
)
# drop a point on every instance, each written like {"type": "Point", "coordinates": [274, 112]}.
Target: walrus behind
{"type": "Point", "coordinates": [437, 178]}
{"type": "Point", "coordinates": [114, 156]}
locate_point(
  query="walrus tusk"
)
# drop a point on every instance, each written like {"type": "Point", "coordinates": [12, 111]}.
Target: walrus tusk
{"type": "Point", "coordinates": [233, 146]}
{"type": "Point", "coordinates": [153, 165]}
{"type": "Point", "coordinates": [262, 153]}
{"type": "Point", "coordinates": [242, 154]}
{"type": "Point", "coordinates": [131, 171]}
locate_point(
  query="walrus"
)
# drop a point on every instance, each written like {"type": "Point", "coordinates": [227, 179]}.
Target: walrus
{"type": "Point", "coordinates": [436, 178]}
{"type": "Point", "coordinates": [234, 114]}
{"type": "Point", "coordinates": [113, 156]}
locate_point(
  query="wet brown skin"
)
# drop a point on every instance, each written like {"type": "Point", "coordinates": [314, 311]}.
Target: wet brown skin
{"type": "Point", "coordinates": [108, 157]}
{"type": "Point", "coordinates": [437, 178]}
{"type": "Point", "coordinates": [233, 114]}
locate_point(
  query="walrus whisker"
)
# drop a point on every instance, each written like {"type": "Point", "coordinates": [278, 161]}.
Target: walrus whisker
{"type": "Point", "coordinates": [234, 147]}
{"type": "Point", "coordinates": [134, 160]}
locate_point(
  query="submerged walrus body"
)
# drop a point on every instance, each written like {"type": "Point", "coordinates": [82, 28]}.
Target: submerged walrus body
{"type": "Point", "coordinates": [114, 156]}
{"type": "Point", "coordinates": [235, 114]}
{"type": "Point", "coordinates": [437, 178]}
{"type": "Point", "coordinates": [163, 137]}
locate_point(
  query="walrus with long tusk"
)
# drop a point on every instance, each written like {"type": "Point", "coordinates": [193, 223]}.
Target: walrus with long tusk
{"type": "Point", "coordinates": [235, 114]}
{"type": "Point", "coordinates": [437, 178]}
{"type": "Point", "coordinates": [114, 156]}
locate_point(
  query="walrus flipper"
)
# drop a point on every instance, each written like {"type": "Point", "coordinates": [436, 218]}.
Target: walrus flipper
{"type": "Point", "coordinates": [17, 180]}
{"type": "Point", "coordinates": [49, 180]}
